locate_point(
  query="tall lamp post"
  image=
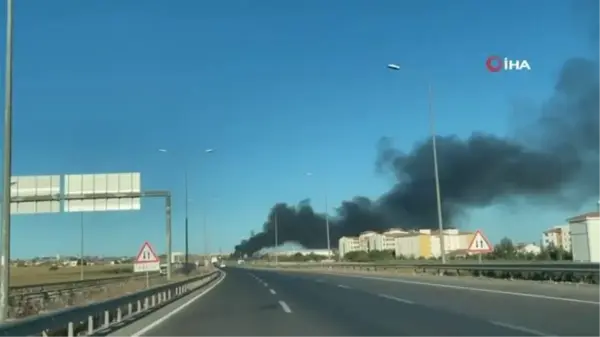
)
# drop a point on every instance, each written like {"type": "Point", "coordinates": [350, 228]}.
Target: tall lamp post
{"type": "Point", "coordinates": [7, 166]}
{"type": "Point", "coordinates": [309, 174]}
{"type": "Point", "coordinates": [187, 201]}
{"type": "Point", "coordinates": [396, 67]}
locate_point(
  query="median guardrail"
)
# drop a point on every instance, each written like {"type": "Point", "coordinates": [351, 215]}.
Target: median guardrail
{"type": "Point", "coordinates": [103, 315]}
{"type": "Point", "coordinates": [51, 286]}
{"type": "Point", "coordinates": [44, 297]}
{"type": "Point", "coordinates": [550, 270]}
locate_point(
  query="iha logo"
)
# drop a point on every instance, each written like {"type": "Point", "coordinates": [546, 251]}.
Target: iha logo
{"type": "Point", "coordinates": [496, 63]}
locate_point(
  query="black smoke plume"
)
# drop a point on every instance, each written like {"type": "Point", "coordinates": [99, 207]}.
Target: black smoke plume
{"type": "Point", "coordinates": [552, 163]}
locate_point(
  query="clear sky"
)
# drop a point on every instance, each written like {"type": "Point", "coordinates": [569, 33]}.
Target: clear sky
{"type": "Point", "coordinates": [277, 88]}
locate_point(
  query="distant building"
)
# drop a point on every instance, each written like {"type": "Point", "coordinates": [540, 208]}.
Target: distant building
{"type": "Point", "coordinates": [528, 248]}
{"type": "Point", "coordinates": [414, 243]}
{"type": "Point", "coordinates": [585, 235]}
{"type": "Point", "coordinates": [558, 236]}
{"type": "Point", "coordinates": [305, 252]}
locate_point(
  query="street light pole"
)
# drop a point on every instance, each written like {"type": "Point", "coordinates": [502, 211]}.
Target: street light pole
{"type": "Point", "coordinates": [81, 272]}
{"type": "Point", "coordinates": [205, 234]}
{"type": "Point", "coordinates": [276, 239]}
{"type": "Point", "coordinates": [327, 225]}
{"type": "Point", "coordinates": [435, 164]}
{"type": "Point", "coordinates": [309, 174]}
{"type": "Point", "coordinates": [187, 201]}
{"type": "Point", "coordinates": [7, 167]}
{"type": "Point", "coordinates": [437, 177]}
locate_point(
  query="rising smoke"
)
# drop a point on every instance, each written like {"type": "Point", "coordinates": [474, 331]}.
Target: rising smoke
{"type": "Point", "coordinates": [557, 165]}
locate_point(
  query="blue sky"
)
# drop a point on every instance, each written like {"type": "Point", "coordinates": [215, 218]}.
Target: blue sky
{"type": "Point", "coordinates": [277, 88]}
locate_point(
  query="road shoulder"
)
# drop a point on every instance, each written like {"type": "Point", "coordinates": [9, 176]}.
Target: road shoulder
{"type": "Point", "coordinates": [140, 326]}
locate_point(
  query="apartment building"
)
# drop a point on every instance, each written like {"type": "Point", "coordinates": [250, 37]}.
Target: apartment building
{"type": "Point", "coordinates": [557, 236]}
{"type": "Point", "coordinates": [348, 244]}
{"type": "Point", "coordinates": [426, 243]}
{"type": "Point", "coordinates": [416, 243]}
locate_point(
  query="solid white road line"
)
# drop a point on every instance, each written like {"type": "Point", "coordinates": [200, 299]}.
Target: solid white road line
{"type": "Point", "coordinates": [265, 284]}
{"type": "Point", "coordinates": [343, 286]}
{"type": "Point", "coordinates": [519, 328]}
{"type": "Point", "coordinates": [178, 309]}
{"type": "Point", "coordinates": [285, 307]}
{"type": "Point", "coordinates": [483, 290]}
{"type": "Point", "coordinates": [272, 291]}
{"type": "Point", "coordinates": [397, 299]}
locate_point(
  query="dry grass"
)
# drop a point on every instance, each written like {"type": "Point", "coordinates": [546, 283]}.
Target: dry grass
{"type": "Point", "coordinates": [23, 276]}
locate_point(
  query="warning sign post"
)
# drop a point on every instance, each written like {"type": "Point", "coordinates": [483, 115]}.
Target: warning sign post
{"type": "Point", "coordinates": [480, 245]}
{"type": "Point", "coordinates": [146, 260]}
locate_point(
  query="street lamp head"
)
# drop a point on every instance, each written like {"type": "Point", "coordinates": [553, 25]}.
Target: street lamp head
{"type": "Point", "coordinates": [393, 66]}
{"type": "Point", "coordinates": [162, 150]}
{"type": "Point", "coordinates": [209, 150]}
{"type": "Point", "coordinates": [308, 174]}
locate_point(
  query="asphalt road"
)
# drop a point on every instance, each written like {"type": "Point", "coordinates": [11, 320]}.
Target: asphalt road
{"type": "Point", "coordinates": [268, 303]}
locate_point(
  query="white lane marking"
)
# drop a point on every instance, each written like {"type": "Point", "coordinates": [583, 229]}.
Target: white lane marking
{"type": "Point", "coordinates": [285, 307]}
{"type": "Point", "coordinates": [397, 299]}
{"type": "Point", "coordinates": [272, 291]}
{"type": "Point", "coordinates": [519, 328]}
{"type": "Point", "coordinates": [178, 309]}
{"type": "Point", "coordinates": [493, 291]}
{"type": "Point", "coordinates": [265, 284]}
{"type": "Point", "coordinates": [319, 281]}
{"type": "Point", "coordinates": [343, 286]}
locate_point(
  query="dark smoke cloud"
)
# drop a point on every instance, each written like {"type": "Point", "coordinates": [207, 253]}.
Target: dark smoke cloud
{"type": "Point", "coordinates": [557, 164]}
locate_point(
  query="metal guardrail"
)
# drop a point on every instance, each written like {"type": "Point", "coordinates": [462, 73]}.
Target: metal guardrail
{"type": "Point", "coordinates": [34, 301]}
{"type": "Point", "coordinates": [103, 315]}
{"type": "Point", "coordinates": [52, 286]}
{"type": "Point", "coordinates": [552, 270]}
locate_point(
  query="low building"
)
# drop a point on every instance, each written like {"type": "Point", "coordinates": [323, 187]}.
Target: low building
{"type": "Point", "coordinates": [585, 235]}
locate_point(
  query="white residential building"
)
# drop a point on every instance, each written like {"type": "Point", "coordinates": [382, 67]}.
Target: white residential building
{"type": "Point", "coordinates": [585, 237]}
{"type": "Point", "coordinates": [416, 243]}
{"type": "Point", "coordinates": [348, 244]}
{"type": "Point", "coordinates": [558, 236]}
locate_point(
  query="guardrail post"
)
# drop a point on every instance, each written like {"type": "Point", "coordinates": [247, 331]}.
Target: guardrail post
{"type": "Point", "coordinates": [139, 306]}
{"type": "Point", "coordinates": [106, 318]}
{"type": "Point", "coordinates": [153, 300]}
{"type": "Point", "coordinates": [90, 325]}
{"type": "Point", "coordinates": [119, 315]}
{"type": "Point", "coordinates": [169, 294]}
{"type": "Point", "coordinates": [70, 329]}
{"type": "Point", "coordinates": [129, 309]}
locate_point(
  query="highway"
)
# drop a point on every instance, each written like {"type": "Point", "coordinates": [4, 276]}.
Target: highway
{"type": "Point", "coordinates": [268, 303]}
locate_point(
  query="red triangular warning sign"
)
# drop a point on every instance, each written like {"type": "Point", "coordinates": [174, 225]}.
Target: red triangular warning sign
{"type": "Point", "coordinates": [480, 244]}
{"type": "Point", "coordinates": [146, 254]}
